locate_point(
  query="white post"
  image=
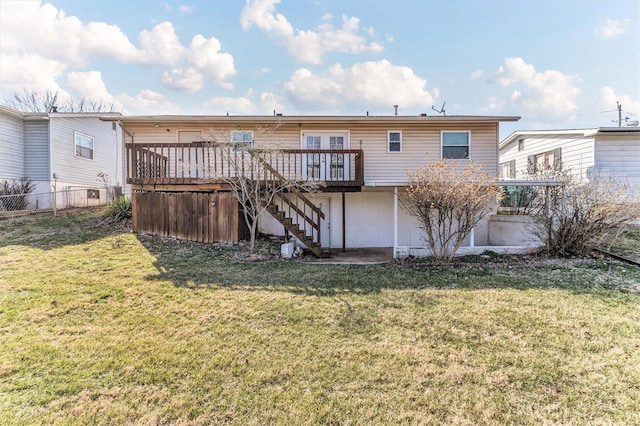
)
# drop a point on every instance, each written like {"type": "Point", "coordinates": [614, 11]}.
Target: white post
{"type": "Point", "coordinates": [472, 237]}
{"type": "Point", "coordinates": [395, 222]}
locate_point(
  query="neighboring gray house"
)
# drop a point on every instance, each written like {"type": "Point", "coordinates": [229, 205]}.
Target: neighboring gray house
{"type": "Point", "coordinates": [610, 151]}
{"type": "Point", "coordinates": [61, 152]}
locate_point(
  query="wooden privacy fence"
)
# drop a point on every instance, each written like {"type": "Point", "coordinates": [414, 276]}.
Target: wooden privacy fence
{"type": "Point", "coordinates": [194, 216]}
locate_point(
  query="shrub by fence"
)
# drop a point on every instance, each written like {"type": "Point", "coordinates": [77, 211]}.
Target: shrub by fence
{"type": "Point", "coordinates": [28, 204]}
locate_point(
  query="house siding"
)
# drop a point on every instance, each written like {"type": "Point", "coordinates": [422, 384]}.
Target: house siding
{"type": "Point", "coordinates": [577, 152]}
{"type": "Point", "coordinates": [368, 221]}
{"type": "Point", "coordinates": [82, 171]}
{"type": "Point", "coordinates": [36, 154]}
{"type": "Point", "coordinates": [420, 143]}
{"type": "Point", "coordinates": [12, 164]}
{"type": "Point", "coordinates": [618, 157]}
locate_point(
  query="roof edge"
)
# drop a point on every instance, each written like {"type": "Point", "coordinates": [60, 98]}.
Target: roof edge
{"type": "Point", "coordinates": [518, 133]}
{"type": "Point", "coordinates": [308, 118]}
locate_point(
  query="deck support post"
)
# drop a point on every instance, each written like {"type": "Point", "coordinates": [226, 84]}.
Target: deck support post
{"type": "Point", "coordinates": [344, 224]}
{"type": "Point", "coordinates": [395, 222]}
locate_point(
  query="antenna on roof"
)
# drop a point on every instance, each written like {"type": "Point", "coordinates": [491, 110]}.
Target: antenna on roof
{"type": "Point", "coordinates": [441, 110]}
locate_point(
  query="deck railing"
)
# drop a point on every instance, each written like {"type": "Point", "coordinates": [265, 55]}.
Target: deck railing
{"type": "Point", "coordinates": [201, 162]}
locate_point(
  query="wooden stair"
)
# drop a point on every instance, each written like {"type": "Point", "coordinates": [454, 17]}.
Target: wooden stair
{"type": "Point", "coordinates": [312, 241]}
{"type": "Point", "coordinates": [300, 214]}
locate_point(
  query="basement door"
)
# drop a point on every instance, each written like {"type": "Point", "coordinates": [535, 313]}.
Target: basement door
{"type": "Point", "coordinates": [325, 224]}
{"type": "Point", "coordinates": [325, 166]}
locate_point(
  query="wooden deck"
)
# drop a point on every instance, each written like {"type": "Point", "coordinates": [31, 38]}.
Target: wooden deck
{"type": "Point", "coordinates": [203, 165]}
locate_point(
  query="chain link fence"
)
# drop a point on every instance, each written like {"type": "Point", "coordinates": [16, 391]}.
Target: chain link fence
{"type": "Point", "coordinates": [18, 206]}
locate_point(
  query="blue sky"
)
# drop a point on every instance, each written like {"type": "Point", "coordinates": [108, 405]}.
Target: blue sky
{"type": "Point", "coordinates": [558, 64]}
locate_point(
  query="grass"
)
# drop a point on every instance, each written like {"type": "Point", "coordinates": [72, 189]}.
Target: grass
{"type": "Point", "coordinates": [100, 326]}
{"type": "Point", "coordinates": [625, 244]}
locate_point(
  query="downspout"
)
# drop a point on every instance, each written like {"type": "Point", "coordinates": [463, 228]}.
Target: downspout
{"type": "Point", "coordinates": [124, 153]}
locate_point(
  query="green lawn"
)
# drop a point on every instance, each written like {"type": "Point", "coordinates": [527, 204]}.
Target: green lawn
{"type": "Point", "coordinates": [99, 326]}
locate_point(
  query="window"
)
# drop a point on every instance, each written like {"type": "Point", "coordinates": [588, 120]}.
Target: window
{"type": "Point", "coordinates": [241, 140]}
{"type": "Point", "coordinates": [507, 170]}
{"type": "Point", "coordinates": [84, 145]}
{"type": "Point", "coordinates": [520, 144]}
{"type": "Point", "coordinates": [545, 161]}
{"type": "Point", "coordinates": [337, 160]}
{"type": "Point", "coordinates": [189, 136]}
{"type": "Point", "coordinates": [455, 145]}
{"type": "Point", "coordinates": [394, 141]}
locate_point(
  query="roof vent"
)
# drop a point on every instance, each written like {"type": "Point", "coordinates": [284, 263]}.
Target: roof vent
{"type": "Point", "coordinates": [423, 114]}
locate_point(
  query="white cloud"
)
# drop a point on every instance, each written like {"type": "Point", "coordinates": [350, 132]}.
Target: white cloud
{"type": "Point", "coordinates": [147, 102]}
{"type": "Point", "coordinates": [29, 71]}
{"type": "Point", "coordinates": [183, 79]}
{"type": "Point", "coordinates": [476, 74]}
{"type": "Point", "coordinates": [548, 95]}
{"type": "Point", "coordinates": [364, 85]}
{"type": "Point", "coordinates": [261, 14]}
{"type": "Point", "coordinates": [89, 85]}
{"type": "Point", "coordinates": [249, 104]}
{"type": "Point", "coordinates": [31, 28]}
{"type": "Point", "coordinates": [205, 55]}
{"type": "Point", "coordinates": [493, 106]}
{"type": "Point", "coordinates": [185, 9]}
{"type": "Point", "coordinates": [269, 102]}
{"type": "Point", "coordinates": [308, 46]}
{"type": "Point", "coordinates": [610, 28]}
{"type": "Point", "coordinates": [232, 105]}
{"type": "Point", "coordinates": [160, 46]}
{"type": "Point", "coordinates": [33, 33]}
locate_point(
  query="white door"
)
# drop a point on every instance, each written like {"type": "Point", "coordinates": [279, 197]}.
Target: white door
{"type": "Point", "coordinates": [325, 224]}
{"type": "Point", "coordinates": [325, 166]}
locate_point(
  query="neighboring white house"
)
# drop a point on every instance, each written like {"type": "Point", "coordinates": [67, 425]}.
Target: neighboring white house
{"type": "Point", "coordinates": [610, 151]}
{"type": "Point", "coordinates": [60, 152]}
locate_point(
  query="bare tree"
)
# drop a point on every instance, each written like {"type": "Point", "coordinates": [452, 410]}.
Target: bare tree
{"type": "Point", "coordinates": [33, 101]}
{"type": "Point", "coordinates": [251, 175]}
{"type": "Point", "coordinates": [29, 100]}
{"type": "Point", "coordinates": [88, 105]}
{"type": "Point", "coordinates": [581, 214]}
{"type": "Point", "coordinates": [448, 200]}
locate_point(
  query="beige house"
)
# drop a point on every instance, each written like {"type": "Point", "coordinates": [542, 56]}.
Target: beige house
{"type": "Point", "coordinates": [362, 161]}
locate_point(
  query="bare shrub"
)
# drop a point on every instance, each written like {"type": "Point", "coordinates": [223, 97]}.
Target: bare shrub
{"type": "Point", "coordinates": [448, 200]}
{"type": "Point", "coordinates": [582, 213]}
{"type": "Point", "coordinates": [14, 193]}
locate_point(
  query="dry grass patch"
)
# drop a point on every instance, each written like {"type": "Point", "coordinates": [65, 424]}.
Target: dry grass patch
{"type": "Point", "coordinates": [100, 326]}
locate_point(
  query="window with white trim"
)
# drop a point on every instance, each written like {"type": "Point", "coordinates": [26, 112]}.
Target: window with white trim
{"type": "Point", "coordinates": [456, 145]}
{"type": "Point", "coordinates": [394, 141]}
{"type": "Point", "coordinates": [83, 145]}
{"type": "Point", "coordinates": [189, 136]}
{"type": "Point", "coordinates": [241, 139]}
